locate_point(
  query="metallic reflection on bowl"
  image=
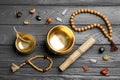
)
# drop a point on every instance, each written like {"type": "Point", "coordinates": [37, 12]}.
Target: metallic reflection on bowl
{"type": "Point", "coordinates": [60, 40]}
{"type": "Point", "coordinates": [23, 46]}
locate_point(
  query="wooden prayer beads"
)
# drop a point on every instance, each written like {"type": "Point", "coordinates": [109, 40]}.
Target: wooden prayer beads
{"type": "Point", "coordinates": [95, 25]}
{"type": "Point", "coordinates": [15, 67]}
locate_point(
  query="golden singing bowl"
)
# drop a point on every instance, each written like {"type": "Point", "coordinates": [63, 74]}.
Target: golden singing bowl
{"type": "Point", "coordinates": [25, 45]}
{"type": "Point", "coordinates": [60, 40]}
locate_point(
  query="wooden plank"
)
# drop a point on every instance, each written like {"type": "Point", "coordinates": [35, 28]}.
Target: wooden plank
{"type": "Point", "coordinates": [7, 34]}
{"type": "Point", "coordinates": [112, 12]}
{"type": "Point", "coordinates": [8, 55]}
{"type": "Point", "coordinates": [61, 2]}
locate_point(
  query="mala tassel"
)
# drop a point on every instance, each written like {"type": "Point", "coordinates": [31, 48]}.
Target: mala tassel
{"type": "Point", "coordinates": [14, 67]}
{"type": "Point", "coordinates": [113, 46]}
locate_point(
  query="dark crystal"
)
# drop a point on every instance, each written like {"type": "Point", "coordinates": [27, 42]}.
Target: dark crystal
{"type": "Point", "coordinates": [101, 49]}
{"type": "Point", "coordinates": [38, 18]}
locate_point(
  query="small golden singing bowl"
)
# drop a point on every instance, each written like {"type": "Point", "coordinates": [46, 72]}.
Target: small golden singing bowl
{"type": "Point", "coordinates": [60, 40]}
{"type": "Point", "coordinates": [25, 45]}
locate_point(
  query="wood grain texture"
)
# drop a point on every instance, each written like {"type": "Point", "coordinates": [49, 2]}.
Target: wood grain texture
{"type": "Point", "coordinates": [61, 2]}
{"type": "Point", "coordinates": [8, 14]}
{"type": "Point", "coordinates": [39, 32]}
{"type": "Point", "coordinates": [53, 9]}
{"type": "Point", "coordinates": [73, 72]}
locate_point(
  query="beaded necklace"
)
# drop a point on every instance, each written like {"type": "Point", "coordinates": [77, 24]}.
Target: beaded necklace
{"type": "Point", "coordinates": [95, 25]}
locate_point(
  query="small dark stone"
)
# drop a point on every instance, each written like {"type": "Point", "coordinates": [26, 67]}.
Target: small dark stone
{"type": "Point", "coordinates": [19, 14]}
{"type": "Point", "coordinates": [101, 49]}
{"type": "Point", "coordinates": [38, 18]}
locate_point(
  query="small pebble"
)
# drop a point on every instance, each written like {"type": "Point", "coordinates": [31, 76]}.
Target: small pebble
{"type": "Point", "coordinates": [32, 10]}
{"type": "Point", "coordinates": [85, 68]}
{"type": "Point", "coordinates": [49, 20]}
{"type": "Point", "coordinates": [93, 60]}
{"type": "Point", "coordinates": [64, 12]}
{"type": "Point", "coordinates": [104, 71]}
{"type": "Point", "coordinates": [101, 49]}
{"type": "Point", "coordinates": [26, 21]}
{"type": "Point", "coordinates": [105, 57]}
{"type": "Point", "coordinates": [18, 14]}
{"type": "Point", "coordinates": [38, 18]}
{"type": "Point", "coordinates": [59, 19]}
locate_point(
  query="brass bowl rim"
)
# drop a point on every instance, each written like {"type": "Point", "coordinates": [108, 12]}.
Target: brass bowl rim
{"type": "Point", "coordinates": [57, 51]}
{"type": "Point", "coordinates": [22, 51]}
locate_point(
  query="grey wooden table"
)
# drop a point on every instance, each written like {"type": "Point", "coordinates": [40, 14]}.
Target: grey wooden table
{"type": "Point", "coordinates": [53, 9]}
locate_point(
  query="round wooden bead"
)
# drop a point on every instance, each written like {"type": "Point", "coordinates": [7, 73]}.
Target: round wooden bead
{"type": "Point", "coordinates": [105, 19]}
{"type": "Point", "coordinates": [71, 20]}
{"type": "Point", "coordinates": [95, 25]}
{"type": "Point", "coordinates": [82, 29]}
{"type": "Point", "coordinates": [98, 24]}
{"type": "Point", "coordinates": [73, 26]}
{"type": "Point", "coordinates": [107, 36]}
{"type": "Point", "coordinates": [92, 26]}
{"type": "Point", "coordinates": [110, 34]}
{"type": "Point", "coordinates": [107, 22]}
{"type": "Point", "coordinates": [85, 10]}
{"type": "Point", "coordinates": [92, 11]}
{"type": "Point", "coordinates": [85, 28]}
{"type": "Point", "coordinates": [98, 13]}
{"type": "Point", "coordinates": [105, 33]}
{"type": "Point", "coordinates": [88, 27]}
{"type": "Point", "coordinates": [75, 29]}
{"type": "Point", "coordinates": [79, 11]}
{"type": "Point", "coordinates": [82, 10]}
{"type": "Point", "coordinates": [95, 12]}
{"type": "Point", "coordinates": [103, 16]}
{"type": "Point", "coordinates": [73, 14]}
{"type": "Point", "coordinates": [76, 12]}
{"type": "Point", "coordinates": [110, 38]}
{"type": "Point", "coordinates": [110, 28]}
{"type": "Point", "coordinates": [103, 29]}
{"type": "Point", "coordinates": [109, 25]}
{"type": "Point", "coordinates": [79, 29]}
{"type": "Point", "coordinates": [110, 31]}
{"type": "Point", "coordinates": [71, 17]}
{"type": "Point", "coordinates": [72, 23]}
